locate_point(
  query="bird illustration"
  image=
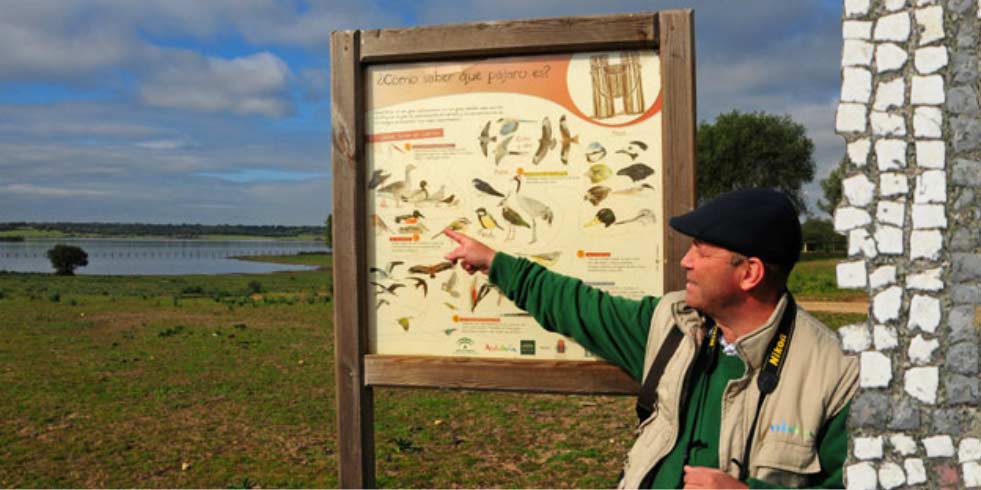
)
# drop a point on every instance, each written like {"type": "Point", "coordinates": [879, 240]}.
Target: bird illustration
{"type": "Point", "coordinates": [381, 302]}
{"type": "Point", "coordinates": [598, 172]}
{"type": "Point", "coordinates": [437, 196]}
{"type": "Point", "coordinates": [377, 178]}
{"type": "Point", "coordinates": [418, 195]}
{"type": "Point", "coordinates": [450, 305]}
{"type": "Point", "coordinates": [509, 126]}
{"type": "Point", "coordinates": [431, 270]}
{"type": "Point", "coordinates": [449, 331]}
{"type": "Point", "coordinates": [409, 218]}
{"type": "Point", "coordinates": [643, 217]}
{"type": "Point", "coordinates": [486, 188]}
{"type": "Point", "coordinates": [449, 201]}
{"type": "Point", "coordinates": [390, 289]}
{"type": "Point", "coordinates": [486, 138]}
{"type": "Point", "coordinates": [421, 283]}
{"type": "Point", "coordinates": [595, 152]}
{"type": "Point", "coordinates": [630, 191]}
{"type": "Point", "coordinates": [567, 139]}
{"type": "Point", "coordinates": [477, 294]}
{"type": "Point", "coordinates": [501, 150]}
{"type": "Point", "coordinates": [379, 225]}
{"type": "Point", "coordinates": [636, 172]}
{"type": "Point", "coordinates": [458, 224]}
{"type": "Point", "coordinates": [545, 143]}
{"type": "Point", "coordinates": [449, 286]}
{"type": "Point", "coordinates": [514, 220]}
{"type": "Point", "coordinates": [604, 216]}
{"type": "Point", "coordinates": [547, 259]}
{"type": "Point", "coordinates": [404, 322]}
{"type": "Point", "coordinates": [380, 272]}
{"type": "Point", "coordinates": [416, 229]}
{"type": "Point", "coordinates": [395, 190]}
{"type": "Point", "coordinates": [625, 152]}
{"type": "Point", "coordinates": [596, 193]}
{"type": "Point", "coordinates": [487, 222]}
{"type": "Point", "coordinates": [533, 208]}
{"type": "Point", "coordinates": [633, 149]}
{"type": "Point", "coordinates": [390, 268]}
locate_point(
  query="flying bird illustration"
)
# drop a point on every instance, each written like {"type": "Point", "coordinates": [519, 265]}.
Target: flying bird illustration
{"type": "Point", "coordinates": [486, 188]}
{"type": "Point", "coordinates": [431, 270]}
{"type": "Point", "coordinates": [381, 302]}
{"type": "Point", "coordinates": [545, 143]}
{"type": "Point", "coordinates": [501, 150]}
{"type": "Point", "coordinates": [643, 217]}
{"type": "Point", "coordinates": [379, 225]}
{"type": "Point", "coordinates": [377, 178]}
{"type": "Point", "coordinates": [598, 172]}
{"type": "Point", "coordinates": [567, 139]}
{"type": "Point", "coordinates": [604, 216]}
{"type": "Point", "coordinates": [421, 283]}
{"type": "Point", "coordinates": [636, 172]}
{"type": "Point", "coordinates": [596, 193]}
{"type": "Point", "coordinates": [449, 286]}
{"type": "Point", "coordinates": [486, 138]}
{"type": "Point", "coordinates": [487, 222]}
{"type": "Point", "coordinates": [390, 289]}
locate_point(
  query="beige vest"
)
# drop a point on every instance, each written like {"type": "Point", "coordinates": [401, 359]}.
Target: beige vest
{"type": "Point", "coordinates": [817, 380]}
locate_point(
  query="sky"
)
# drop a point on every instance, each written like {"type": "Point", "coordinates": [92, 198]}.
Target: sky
{"type": "Point", "coordinates": [218, 111]}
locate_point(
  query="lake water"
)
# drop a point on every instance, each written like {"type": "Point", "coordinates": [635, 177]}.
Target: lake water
{"type": "Point", "coordinates": [166, 257]}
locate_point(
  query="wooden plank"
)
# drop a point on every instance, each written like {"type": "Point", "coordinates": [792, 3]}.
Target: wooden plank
{"type": "Point", "coordinates": [573, 377]}
{"type": "Point", "coordinates": [355, 417]}
{"type": "Point", "coordinates": [678, 130]}
{"type": "Point", "coordinates": [510, 38]}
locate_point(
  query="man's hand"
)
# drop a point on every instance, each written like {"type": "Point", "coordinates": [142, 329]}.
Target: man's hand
{"type": "Point", "coordinates": [473, 255]}
{"type": "Point", "coordinates": [702, 477]}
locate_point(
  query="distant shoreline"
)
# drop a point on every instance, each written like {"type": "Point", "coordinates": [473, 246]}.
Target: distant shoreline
{"type": "Point", "coordinates": [20, 231]}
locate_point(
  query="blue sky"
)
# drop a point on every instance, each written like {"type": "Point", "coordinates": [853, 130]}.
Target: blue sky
{"type": "Point", "coordinates": [218, 111]}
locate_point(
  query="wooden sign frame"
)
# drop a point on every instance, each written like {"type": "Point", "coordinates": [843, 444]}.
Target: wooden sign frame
{"type": "Point", "coordinates": [668, 32]}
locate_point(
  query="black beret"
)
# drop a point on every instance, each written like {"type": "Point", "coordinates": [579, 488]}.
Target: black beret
{"type": "Point", "coordinates": [758, 223]}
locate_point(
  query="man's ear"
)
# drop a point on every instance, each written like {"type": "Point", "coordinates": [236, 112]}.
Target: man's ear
{"type": "Point", "coordinates": [752, 275]}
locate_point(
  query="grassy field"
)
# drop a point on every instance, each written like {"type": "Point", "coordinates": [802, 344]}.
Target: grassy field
{"type": "Point", "coordinates": [227, 381]}
{"type": "Point", "coordinates": [814, 279]}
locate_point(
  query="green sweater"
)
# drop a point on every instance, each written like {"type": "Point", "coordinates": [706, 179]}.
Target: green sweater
{"type": "Point", "coordinates": [616, 329]}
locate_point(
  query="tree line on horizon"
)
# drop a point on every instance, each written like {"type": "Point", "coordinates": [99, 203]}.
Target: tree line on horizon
{"type": "Point", "coordinates": [183, 230]}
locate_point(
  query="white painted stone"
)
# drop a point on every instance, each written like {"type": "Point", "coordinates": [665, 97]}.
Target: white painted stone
{"type": "Point", "coordinates": [856, 29]}
{"type": "Point", "coordinates": [925, 244]}
{"type": "Point", "coordinates": [859, 241]}
{"type": "Point", "coordinates": [929, 216]}
{"type": "Point", "coordinates": [889, 94]}
{"type": "Point", "coordinates": [928, 90]}
{"type": "Point", "coordinates": [885, 337]}
{"type": "Point", "coordinates": [891, 475]}
{"type": "Point", "coordinates": [856, 7]}
{"type": "Point", "coordinates": [847, 218]}
{"type": "Point", "coordinates": [861, 476]}
{"type": "Point", "coordinates": [856, 53]}
{"type": "Point", "coordinates": [888, 57]}
{"type": "Point", "coordinates": [875, 370]}
{"type": "Point", "coordinates": [891, 212]}
{"type": "Point", "coordinates": [930, 153]}
{"type": "Point", "coordinates": [929, 60]}
{"type": "Point", "coordinates": [915, 471]}
{"type": "Point", "coordinates": [969, 449]}
{"type": "Point", "coordinates": [938, 446]}
{"type": "Point", "coordinates": [889, 240]}
{"type": "Point", "coordinates": [868, 447]}
{"type": "Point", "coordinates": [924, 313]}
{"type": "Point", "coordinates": [921, 383]}
{"type": "Point", "coordinates": [890, 153]}
{"type": "Point", "coordinates": [928, 280]}
{"type": "Point", "coordinates": [856, 85]}
{"type": "Point", "coordinates": [894, 5]}
{"type": "Point", "coordinates": [931, 186]}
{"type": "Point", "coordinates": [891, 184]}
{"type": "Point", "coordinates": [858, 151]}
{"type": "Point", "coordinates": [893, 27]}
{"type": "Point", "coordinates": [851, 275]}
{"type": "Point", "coordinates": [883, 276]}
{"type": "Point", "coordinates": [886, 124]}
{"type": "Point", "coordinates": [928, 122]}
{"type": "Point", "coordinates": [858, 189]}
{"type": "Point", "coordinates": [885, 305]}
{"type": "Point", "coordinates": [850, 118]}
{"type": "Point", "coordinates": [902, 444]}
{"type": "Point", "coordinates": [972, 474]}
{"type": "Point", "coordinates": [855, 338]}
{"type": "Point", "coordinates": [921, 350]}
{"type": "Point", "coordinates": [931, 22]}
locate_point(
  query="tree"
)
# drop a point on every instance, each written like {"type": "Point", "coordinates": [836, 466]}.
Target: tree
{"type": "Point", "coordinates": [754, 149]}
{"type": "Point", "coordinates": [329, 232]}
{"type": "Point", "coordinates": [66, 258]}
{"type": "Point", "coordinates": [820, 236]}
{"type": "Point", "coordinates": [831, 186]}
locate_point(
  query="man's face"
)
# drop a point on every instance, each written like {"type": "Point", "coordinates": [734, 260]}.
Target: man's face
{"type": "Point", "coordinates": [711, 276]}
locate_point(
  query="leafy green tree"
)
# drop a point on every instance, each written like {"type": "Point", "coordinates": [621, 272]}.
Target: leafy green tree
{"type": "Point", "coordinates": [329, 232]}
{"type": "Point", "coordinates": [819, 235]}
{"type": "Point", "coordinates": [831, 186]}
{"type": "Point", "coordinates": [755, 149]}
{"type": "Point", "coordinates": [66, 258]}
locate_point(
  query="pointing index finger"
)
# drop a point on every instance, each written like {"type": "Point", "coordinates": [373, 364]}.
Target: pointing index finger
{"type": "Point", "coordinates": [456, 237]}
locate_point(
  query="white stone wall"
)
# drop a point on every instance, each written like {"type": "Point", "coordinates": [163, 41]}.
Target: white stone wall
{"type": "Point", "coordinates": [911, 209]}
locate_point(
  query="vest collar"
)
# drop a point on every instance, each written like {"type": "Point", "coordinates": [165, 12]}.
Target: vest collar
{"type": "Point", "coordinates": [752, 346]}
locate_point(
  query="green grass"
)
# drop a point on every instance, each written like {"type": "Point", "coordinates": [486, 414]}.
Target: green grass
{"type": "Point", "coordinates": [815, 280]}
{"type": "Point", "coordinates": [33, 233]}
{"type": "Point", "coordinates": [317, 259]}
{"type": "Point", "coordinates": [123, 380]}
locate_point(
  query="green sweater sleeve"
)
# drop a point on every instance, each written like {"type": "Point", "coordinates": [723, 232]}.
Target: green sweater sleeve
{"type": "Point", "coordinates": [832, 450]}
{"type": "Point", "coordinates": [613, 327]}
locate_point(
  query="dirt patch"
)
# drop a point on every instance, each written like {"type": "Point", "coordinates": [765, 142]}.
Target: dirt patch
{"type": "Point", "coordinates": [836, 306]}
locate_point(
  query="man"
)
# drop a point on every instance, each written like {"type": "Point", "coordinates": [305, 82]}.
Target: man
{"type": "Point", "coordinates": [741, 387]}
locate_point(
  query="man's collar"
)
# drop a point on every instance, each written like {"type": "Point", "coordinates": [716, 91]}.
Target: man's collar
{"type": "Point", "coordinates": [752, 346]}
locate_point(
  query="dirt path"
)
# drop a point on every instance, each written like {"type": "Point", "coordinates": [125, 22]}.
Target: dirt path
{"type": "Point", "coordinates": [836, 306]}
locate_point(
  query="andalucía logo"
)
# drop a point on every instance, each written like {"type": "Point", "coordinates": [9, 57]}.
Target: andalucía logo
{"type": "Point", "coordinates": [499, 348]}
{"type": "Point", "coordinates": [464, 345]}
{"type": "Point", "coordinates": [527, 347]}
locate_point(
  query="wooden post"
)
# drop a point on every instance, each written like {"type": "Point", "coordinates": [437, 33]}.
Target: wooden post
{"type": "Point", "coordinates": [678, 130]}
{"type": "Point", "coordinates": [355, 415]}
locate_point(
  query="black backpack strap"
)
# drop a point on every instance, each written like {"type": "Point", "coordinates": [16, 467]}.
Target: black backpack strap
{"type": "Point", "coordinates": [648, 393]}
